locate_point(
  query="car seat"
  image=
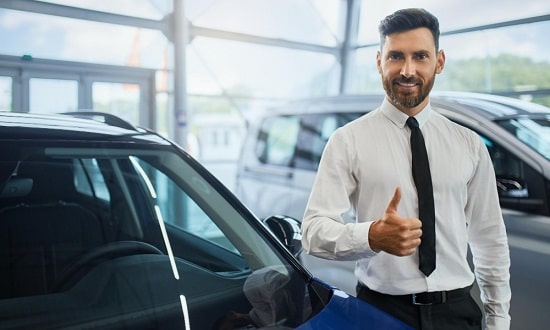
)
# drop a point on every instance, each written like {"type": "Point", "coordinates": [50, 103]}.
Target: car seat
{"type": "Point", "coordinates": [43, 231]}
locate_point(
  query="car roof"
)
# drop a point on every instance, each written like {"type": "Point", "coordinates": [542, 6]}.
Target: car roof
{"type": "Point", "coordinates": [492, 107]}
{"type": "Point", "coordinates": [71, 126]}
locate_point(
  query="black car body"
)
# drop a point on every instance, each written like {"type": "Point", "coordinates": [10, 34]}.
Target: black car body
{"type": "Point", "coordinates": [107, 226]}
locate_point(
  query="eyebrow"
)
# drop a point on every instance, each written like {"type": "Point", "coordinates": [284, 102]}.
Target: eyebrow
{"type": "Point", "coordinates": [399, 52]}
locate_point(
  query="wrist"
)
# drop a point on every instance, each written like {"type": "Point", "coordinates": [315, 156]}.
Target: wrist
{"type": "Point", "coordinates": [372, 234]}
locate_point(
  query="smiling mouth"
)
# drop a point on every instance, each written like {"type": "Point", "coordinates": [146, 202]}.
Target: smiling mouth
{"type": "Point", "coordinates": [402, 83]}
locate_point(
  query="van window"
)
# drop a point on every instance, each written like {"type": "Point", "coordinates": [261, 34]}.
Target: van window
{"type": "Point", "coordinates": [277, 140]}
{"type": "Point", "coordinates": [298, 141]}
{"type": "Point", "coordinates": [315, 130]}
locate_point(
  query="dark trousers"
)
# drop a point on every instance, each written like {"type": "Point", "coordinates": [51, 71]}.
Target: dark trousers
{"type": "Point", "coordinates": [457, 310]}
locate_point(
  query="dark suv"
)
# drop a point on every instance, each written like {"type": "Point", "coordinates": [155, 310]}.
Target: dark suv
{"type": "Point", "coordinates": [104, 225]}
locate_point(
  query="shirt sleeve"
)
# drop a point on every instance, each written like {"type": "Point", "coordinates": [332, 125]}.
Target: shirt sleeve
{"type": "Point", "coordinates": [325, 234]}
{"type": "Point", "coordinates": [488, 242]}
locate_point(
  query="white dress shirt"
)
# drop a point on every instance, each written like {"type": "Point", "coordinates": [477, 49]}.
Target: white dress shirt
{"type": "Point", "coordinates": [365, 160]}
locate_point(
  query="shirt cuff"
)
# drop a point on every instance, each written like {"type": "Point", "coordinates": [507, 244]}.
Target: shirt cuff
{"type": "Point", "coordinates": [497, 323]}
{"type": "Point", "coordinates": [362, 235]}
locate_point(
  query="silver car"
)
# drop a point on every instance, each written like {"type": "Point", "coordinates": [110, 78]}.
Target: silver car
{"type": "Point", "coordinates": [281, 153]}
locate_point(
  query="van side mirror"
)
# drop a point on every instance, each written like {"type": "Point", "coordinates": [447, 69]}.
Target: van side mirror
{"type": "Point", "coordinates": [288, 231]}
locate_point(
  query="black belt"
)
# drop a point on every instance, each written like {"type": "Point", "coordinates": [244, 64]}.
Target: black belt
{"type": "Point", "coordinates": [426, 298]}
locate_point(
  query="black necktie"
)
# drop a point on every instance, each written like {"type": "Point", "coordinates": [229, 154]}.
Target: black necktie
{"type": "Point", "coordinates": [423, 181]}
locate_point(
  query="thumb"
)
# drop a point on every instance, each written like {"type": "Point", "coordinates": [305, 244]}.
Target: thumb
{"type": "Point", "coordinates": [394, 202]}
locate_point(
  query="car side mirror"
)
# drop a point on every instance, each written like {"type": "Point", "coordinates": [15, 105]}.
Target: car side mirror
{"type": "Point", "coordinates": [288, 231]}
{"type": "Point", "coordinates": [511, 188]}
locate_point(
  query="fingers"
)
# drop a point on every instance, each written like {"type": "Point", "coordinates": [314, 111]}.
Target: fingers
{"type": "Point", "coordinates": [415, 223]}
{"type": "Point", "coordinates": [409, 238]}
{"type": "Point", "coordinates": [405, 246]}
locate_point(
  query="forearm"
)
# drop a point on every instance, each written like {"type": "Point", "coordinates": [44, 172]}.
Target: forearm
{"type": "Point", "coordinates": [330, 239]}
{"type": "Point", "coordinates": [489, 245]}
{"type": "Point", "coordinates": [493, 277]}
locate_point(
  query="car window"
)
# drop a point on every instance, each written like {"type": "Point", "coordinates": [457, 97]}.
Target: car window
{"type": "Point", "coordinates": [298, 140]}
{"type": "Point", "coordinates": [89, 180]}
{"type": "Point", "coordinates": [510, 171]}
{"type": "Point", "coordinates": [315, 130]}
{"type": "Point", "coordinates": [178, 209]}
{"type": "Point", "coordinates": [277, 140]}
{"type": "Point", "coordinates": [135, 238]}
{"type": "Point", "coordinates": [534, 132]}
{"type": "Point", "coordinates": [520, 186]}
{"type": "Point", "coordinates": [506, 165]}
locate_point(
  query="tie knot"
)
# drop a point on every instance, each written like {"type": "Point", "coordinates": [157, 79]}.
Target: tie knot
{"type": "Point", "coordinates": [412, 122]}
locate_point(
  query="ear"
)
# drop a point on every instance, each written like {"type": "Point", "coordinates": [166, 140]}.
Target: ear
{"type": "Point", "coordinates": [440, 61]}
{"type": "Point", "coordinates": [379, 62]}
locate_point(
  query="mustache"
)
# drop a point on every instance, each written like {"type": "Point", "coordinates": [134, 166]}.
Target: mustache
{"type": "Point", "coordinates": [403, 80]}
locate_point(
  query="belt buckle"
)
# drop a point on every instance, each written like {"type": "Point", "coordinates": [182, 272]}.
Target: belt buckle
{"type": "Point", "coordinates": [419, 303]}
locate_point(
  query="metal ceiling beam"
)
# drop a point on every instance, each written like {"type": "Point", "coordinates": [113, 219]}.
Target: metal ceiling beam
{"type": "Point", "coordinates": [164, 25]}
{"type": "Point", "coordinates": [521, 21]}
{"type": "Point", "coordinates": [51, 9]}
{"type": "Point", "coordinates": [528, 20]}
{"type": "Point", "coordinates": [347, 51]}
{"type": "Point", "coordinates": [180, 34]}
{"type": "Point", "coordinates": [196, 31]}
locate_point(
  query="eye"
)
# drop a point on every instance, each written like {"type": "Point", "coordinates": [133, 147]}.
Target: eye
{"type": "Point", "coordinates": [395, 56]}
{"type": "Point", "coordinates": [421, 56]}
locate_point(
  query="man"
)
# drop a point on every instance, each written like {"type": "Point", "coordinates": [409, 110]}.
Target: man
{"type": "Point", "coordinates": [366, 167]}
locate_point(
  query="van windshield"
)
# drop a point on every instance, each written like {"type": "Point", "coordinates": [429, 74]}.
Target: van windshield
{"type": "Point", "coordinates": [533, 131]}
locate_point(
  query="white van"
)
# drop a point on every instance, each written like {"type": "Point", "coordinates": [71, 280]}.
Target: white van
{"type": "Point", "coordinates": [282, 149]}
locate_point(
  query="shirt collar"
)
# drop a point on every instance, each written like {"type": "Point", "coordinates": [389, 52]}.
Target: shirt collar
{"type": "Point", "coordinates": [399, 118]}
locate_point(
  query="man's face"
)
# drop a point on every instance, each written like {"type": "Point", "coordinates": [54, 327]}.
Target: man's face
{"type": "Point", "coordinates": [408, 63]}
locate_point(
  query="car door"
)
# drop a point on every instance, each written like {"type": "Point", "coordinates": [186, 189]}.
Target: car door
{"type": "Point", "coordinates": [521, 184]}
{"type": "Point", "coordinates": [266, 168]}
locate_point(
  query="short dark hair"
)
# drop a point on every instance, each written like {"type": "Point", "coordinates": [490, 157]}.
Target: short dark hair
{"type": "Point", "coordinates": [409, 19]}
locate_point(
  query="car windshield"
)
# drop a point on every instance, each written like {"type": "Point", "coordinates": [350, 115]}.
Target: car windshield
{"type": "Point", "coordinates": [120, 237]}
{"type": "Point", "coordinates": [533, 131]}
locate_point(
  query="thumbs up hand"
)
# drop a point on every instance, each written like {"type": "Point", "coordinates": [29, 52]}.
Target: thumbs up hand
{"type": "Point", "coordinates": [394, 234]}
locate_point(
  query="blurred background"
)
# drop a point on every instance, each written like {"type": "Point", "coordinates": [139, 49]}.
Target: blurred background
{"type": "Point", "coordinates": [198, 70]}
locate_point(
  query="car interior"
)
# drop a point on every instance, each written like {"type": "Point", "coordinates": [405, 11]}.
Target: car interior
{"type": "Point", "coordinates": [83, 243]}
{"type": "Point", "coordinates": [73, 247]}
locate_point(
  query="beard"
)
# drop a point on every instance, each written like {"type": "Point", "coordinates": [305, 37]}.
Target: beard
{"type": "Point", "coordinates": [407, 99]}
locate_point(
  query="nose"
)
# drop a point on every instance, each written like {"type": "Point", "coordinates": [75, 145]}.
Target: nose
{"type": "Point", "coordinates": [408, 70]}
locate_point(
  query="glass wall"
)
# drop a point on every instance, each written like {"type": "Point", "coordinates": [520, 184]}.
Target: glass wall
{"type": "Point", "coordinates": [53, 95]}
{"type": "Point", "coordinates": [5, 93]}
{"type": "Point", "coordinates": [259, 71]}
{"type": "Point", "coordinates": [118, 99]}
{"type": "Point", "coordinates": [240, 69]}
{"type": "Point", "coordinates": [256, 54]}
{"type": "Point", "coordinates": [61, 38]}
{"type": "Point", "coordinates": [512, 60]}
{"type": "Point", "coordinates": [452, 14]}
{"type": "Point", "coordinates": [310, 21]}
